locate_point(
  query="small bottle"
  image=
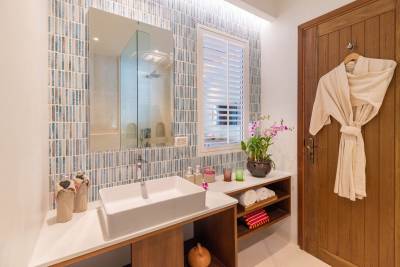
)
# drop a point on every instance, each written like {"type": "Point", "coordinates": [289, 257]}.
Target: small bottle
{"type": "Point", "coordinates": [198, 177]}
{"type": "Point", "coordinates": [189, 175]}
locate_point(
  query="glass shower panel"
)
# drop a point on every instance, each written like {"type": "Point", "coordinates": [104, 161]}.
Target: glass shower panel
{"type": "Point", "coordinates": [154, 88]}
{"type": "Point", "coordinates": [129, 94]}
{"type": "Point", "coordinates": [145, 75]}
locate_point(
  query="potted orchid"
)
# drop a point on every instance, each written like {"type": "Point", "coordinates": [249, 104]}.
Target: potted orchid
{"type": "Point", "coordinates": [259, 162]}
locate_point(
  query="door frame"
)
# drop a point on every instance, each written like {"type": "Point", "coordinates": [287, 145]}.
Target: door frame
{"type": "Point", "coordinates": [301, 120]}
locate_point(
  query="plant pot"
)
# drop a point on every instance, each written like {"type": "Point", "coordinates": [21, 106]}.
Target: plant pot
{"type": "Point", "coordinates": [259, 169]}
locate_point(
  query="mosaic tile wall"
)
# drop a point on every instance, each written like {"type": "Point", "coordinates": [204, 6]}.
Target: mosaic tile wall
{"type": "Point", "coordinates": [69, 97]}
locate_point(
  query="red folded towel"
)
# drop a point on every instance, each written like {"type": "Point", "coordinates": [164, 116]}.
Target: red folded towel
{"type": "Point", "coordinates": [255, 214]}
{"type": "Point", "coordinates": [256, 219]}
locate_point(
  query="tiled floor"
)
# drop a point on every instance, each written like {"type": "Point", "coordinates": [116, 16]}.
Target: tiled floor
{"type": "Point", "coordinates": [274, 251]}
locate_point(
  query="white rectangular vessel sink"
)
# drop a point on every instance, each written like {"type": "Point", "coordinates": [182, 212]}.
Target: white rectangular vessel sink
{"type": "Point", "coordinates": [125, 210]}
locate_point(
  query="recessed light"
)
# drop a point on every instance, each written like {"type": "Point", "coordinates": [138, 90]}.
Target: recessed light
{"type": "Point", "coordinates": [96, 39]}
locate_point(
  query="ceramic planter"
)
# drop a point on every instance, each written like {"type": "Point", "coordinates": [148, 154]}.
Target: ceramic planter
{"type": "Point", "coordinates": [259, 169]}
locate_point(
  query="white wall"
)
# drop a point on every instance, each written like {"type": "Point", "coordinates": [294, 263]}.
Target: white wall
{"type": "Point", "coordinates": [24, 127]}
{"type": "Point", "coordinates": [279, 82]}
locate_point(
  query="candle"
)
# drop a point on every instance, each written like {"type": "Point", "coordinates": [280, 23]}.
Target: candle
{"type": "Point", "coordinates": [227, 174]}
{"type": "Point", "coordinates": [239, 174]}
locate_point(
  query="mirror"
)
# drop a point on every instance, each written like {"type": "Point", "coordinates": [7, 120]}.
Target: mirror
{"type": "Point", "coordinates": [131, 83]}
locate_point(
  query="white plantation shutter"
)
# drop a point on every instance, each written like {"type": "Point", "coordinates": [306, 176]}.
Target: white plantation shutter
{"type": "Point", "coordinates": [223, 70]}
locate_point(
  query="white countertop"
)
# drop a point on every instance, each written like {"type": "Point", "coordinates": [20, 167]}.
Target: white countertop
{"type": "Point", "coordinates": [58, 242]}
{"type": "Point", "coordinates": [249, 181]}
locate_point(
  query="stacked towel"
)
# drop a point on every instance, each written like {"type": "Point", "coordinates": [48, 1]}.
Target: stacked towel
{"type": "Point", "coordinates": [248, 198]}
{"type": "Point", "coordinates": [256, 218]}
{"type": "Point", "coordinates": [264, 193]}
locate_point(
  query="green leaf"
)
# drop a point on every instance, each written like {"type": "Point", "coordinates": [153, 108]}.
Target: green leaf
{"type": "Point", "coordinates": [243, 145]}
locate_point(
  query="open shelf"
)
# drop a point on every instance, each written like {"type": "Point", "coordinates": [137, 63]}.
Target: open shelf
{"type": "Point", "coordinates": [281, 195]}
{"type": "Point", "coordinates": [215, 262]}
{"type": "Point", "coordinates": [276, 214]}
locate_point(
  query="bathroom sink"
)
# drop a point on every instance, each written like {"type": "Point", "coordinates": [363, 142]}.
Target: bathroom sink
{"type": "Point", "coordinates": [126, 210]}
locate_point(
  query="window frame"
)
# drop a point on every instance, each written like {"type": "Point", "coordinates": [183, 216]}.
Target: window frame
{"type": "Point", "coordinates": [226, 148]}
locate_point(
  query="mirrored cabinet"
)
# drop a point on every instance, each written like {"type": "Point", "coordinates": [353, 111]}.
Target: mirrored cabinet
{"type": "Point", "coordinates": [131, 83]}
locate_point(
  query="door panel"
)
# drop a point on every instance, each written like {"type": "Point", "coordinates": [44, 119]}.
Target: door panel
{"type": "Point", "coordinates": [321, 160]}
{"type": "Point", "coordinates": [358, 208]}
{"type": "Point", "coordinates": [332, 151]}
{"type": "Point", "coordinates": [344, 206]}
{"type": "Point", "coordinates": [337, 230]}
{"type": "Point", "coordinates": [371, 135]}
{"type": "Point", "coordinates": [386, 149]}
{"type": "Point", "coordinates": [310, 83]}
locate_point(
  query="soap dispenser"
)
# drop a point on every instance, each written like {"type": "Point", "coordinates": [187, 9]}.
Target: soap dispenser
{"type": "Point", "coordinates": [189, 175]}
{"type": "Point", "coordinates": [198, 176]}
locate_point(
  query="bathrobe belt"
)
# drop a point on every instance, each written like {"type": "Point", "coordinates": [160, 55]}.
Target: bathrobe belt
{"type": "Point", "coordinates": [351, 130]}
{"type": "Point", "coordinates": [350, 175]}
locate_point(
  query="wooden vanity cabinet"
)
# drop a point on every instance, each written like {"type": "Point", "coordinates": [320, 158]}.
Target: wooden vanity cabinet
{"type": "Point", "coordinates": [166, 247]}
{"type": "Point", "coordinates": [216, 232]}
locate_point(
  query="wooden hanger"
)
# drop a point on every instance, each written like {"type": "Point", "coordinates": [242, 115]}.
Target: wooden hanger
{"type": "Point", "coordinates": [351, 57]}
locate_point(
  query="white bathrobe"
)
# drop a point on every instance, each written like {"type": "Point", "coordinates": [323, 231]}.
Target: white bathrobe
{"type": "Point", "coordinates": [352, 94]}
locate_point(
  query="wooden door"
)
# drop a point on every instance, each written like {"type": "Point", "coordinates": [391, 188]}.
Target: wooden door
{"type": "Point", "coordinates": [337, 230]}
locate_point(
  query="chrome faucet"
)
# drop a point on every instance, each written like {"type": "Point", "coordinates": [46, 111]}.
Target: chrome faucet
{"type": "Point", "coordinates": [139, 176]}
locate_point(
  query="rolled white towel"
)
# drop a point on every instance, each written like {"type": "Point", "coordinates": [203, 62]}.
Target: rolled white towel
{"type": "Point", "coordinates": [272, 192]}
{"type": "Point", "coordinates": [264, 193]}
{"type": "Point", "coordinates": [248, 198]}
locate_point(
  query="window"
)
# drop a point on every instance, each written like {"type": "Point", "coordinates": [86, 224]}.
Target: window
{"type": "Point", "coordinates": [223, 71]}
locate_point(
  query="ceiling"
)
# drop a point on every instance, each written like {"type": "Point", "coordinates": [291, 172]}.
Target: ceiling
{"type": "Point", "coordinates": [266, 9]}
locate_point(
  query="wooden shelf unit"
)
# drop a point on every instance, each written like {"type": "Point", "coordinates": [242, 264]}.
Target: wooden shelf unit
{"type": "Point", "coordinates": [277, 209]}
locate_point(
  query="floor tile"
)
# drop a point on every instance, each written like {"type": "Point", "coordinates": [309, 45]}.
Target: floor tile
{"type": "Point", "coordinates": [274, 251]}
